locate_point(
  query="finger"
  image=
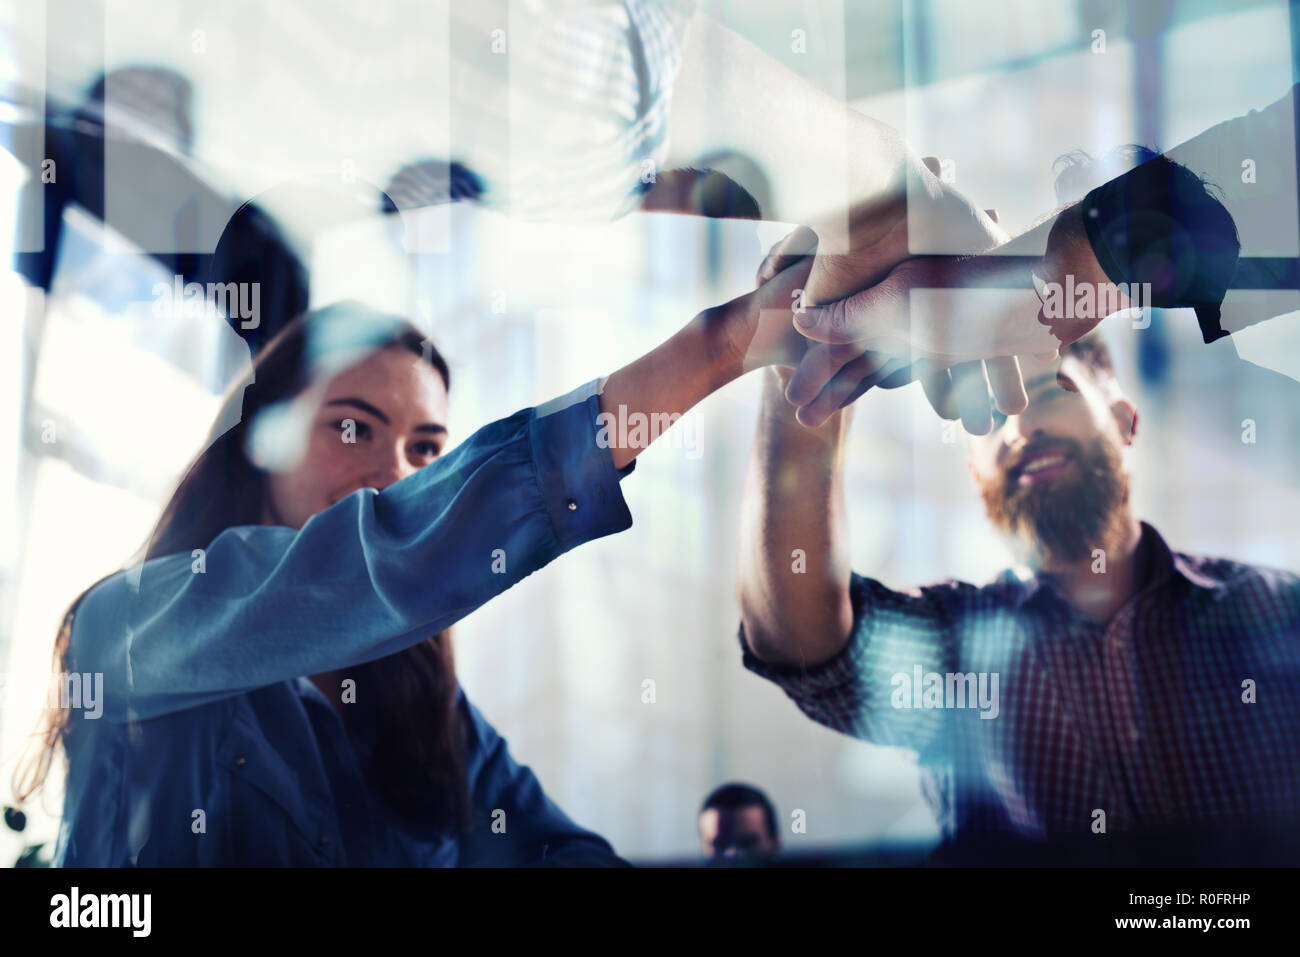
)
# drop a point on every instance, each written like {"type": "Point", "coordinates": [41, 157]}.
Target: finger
{"type": "Point", "coordinates": [858, 375]}
{"type": "Point", "coordinates": [862, 389]}
{"type": "Point", "coordinates": [971, 391]}
{"type": "Point", "coordinates": [899, 377]}
{"type": "Point", "coordinates": [937, 387]}
{"type": "Point", "coordinates": [818, 366]}
{"type": "Point", "coordinates": [919, 369]}
{"type": "Point", "coordinates": [874, 312]}
{"type": "Point", "coordinates": [845, 320]}
{"type": "Point", "coordinates": [862, 369]}
{"type": "Point", "coordinates": [1007, 385]}
{"type": "Point", "coordinates": [801, 242]}
{"type": "Point", "coordinates": [867, 384]}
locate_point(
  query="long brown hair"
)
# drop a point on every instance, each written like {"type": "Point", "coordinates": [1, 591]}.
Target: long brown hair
{"type": "Point", "coordinates": [417, 765]}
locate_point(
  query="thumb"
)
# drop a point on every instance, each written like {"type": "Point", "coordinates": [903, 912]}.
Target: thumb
{"type": "Point", "coordinates": [797, 244]}
{"type": "Point", "coordinates": [845, 320]}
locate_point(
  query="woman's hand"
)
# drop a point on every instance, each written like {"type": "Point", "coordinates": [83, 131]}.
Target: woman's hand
{"type": "Point", "coordinates": [757, 329]}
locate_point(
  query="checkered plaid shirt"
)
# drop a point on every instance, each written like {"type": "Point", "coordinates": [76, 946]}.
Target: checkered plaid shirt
{"type": "Point", "coordinates": [1185, 707]}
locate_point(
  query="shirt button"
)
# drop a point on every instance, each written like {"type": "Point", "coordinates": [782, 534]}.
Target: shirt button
{"type": "Point", "coordinates": [240, 761]}
{"type": "Point", "coordinates": [572, 505]}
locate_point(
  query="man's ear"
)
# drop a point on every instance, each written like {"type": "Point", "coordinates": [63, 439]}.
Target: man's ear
{"type": "Point", "coordinates": [1126, 418]}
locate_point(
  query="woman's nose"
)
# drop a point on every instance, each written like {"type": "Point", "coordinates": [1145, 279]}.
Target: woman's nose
{"type": "Point", "coordinates": [391, 467]}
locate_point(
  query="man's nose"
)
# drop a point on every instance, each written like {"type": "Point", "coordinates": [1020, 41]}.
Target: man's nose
{"type": "Point", "coordinates": [1016, 433]}
{"type": "Point", "coordinates": [1035, 416]}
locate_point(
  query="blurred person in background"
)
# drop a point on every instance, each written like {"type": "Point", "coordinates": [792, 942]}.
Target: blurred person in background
{"type": "Point", "coordinates": [738, 825]}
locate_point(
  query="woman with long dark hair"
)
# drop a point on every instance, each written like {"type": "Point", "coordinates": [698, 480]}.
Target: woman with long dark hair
{"type": "Point", "coordinates": [278, 680]}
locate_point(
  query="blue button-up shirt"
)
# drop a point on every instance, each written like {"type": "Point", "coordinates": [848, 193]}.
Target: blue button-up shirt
{"type": "Point", "coordinates": [212, 748]}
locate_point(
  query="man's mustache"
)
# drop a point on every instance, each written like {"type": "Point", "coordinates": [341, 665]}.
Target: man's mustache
{"type": "Point", "coordinates": [1067, 448]}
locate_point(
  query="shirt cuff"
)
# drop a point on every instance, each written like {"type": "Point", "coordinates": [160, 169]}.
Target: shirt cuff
{"type": "Point", "coordinates": [801, 682]}
{"type": "Point", "coordinates": [579, 482]}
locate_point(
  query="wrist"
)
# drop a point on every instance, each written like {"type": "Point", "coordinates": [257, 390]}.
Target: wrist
{"type": "Point", "coordinates": [778, 419]}
{"type": "Point", "coordinates": [720, 339]}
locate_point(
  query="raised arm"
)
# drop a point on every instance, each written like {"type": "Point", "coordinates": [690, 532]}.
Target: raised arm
{"type": "Point", "coordinates": [1234, 247]}
{"type": "Point", "coordinates": [794, 565]}
{"type": "Point", "coordinates": [832, 640]}
{"type": "Point", "coordinates": [380, 571]}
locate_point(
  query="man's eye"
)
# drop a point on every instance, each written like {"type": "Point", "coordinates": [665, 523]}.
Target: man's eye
{"type": "Point", "coordinates": [1066, 383]}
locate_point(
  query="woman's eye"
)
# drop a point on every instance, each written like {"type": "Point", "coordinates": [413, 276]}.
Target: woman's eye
{"type": "Point", "coordinates": [425, 449]}
{"type": "Point", "coordinates": [351, 430]}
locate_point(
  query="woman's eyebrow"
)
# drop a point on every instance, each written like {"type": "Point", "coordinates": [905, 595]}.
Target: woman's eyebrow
{"type": "Point", "coordinates": [431, 427]}
{"type": "Point", "coordinates": [363, 405]}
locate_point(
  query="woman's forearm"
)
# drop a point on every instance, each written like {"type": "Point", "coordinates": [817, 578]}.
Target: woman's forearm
{"type": "Point", "coordinates": [663, 385]}
{"type": "Point", "coordinates": [716, 347]}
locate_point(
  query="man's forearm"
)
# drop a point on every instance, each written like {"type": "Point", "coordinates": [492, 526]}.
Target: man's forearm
{"type": "Point", "coordinates": [794, 566]}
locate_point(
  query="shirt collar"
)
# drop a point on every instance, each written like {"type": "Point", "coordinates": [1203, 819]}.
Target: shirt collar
{"type": "Point", "coordinates": [1157, 563]}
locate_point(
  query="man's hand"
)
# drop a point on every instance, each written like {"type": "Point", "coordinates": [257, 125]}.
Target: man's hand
{"type": "Point", "coordinates": [917, 211]}
{"type": "Point", "coordinates": [844, 366]}
{"type": "Point", "coordinates": [851, 358]}
{"type": "Point", "coordinates": [934, 319]}
{"type": "Point", "coordinates": [946, 314]}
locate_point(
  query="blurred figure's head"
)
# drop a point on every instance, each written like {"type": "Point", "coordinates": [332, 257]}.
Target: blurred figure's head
{"type": "Point", "coordinates": [738, 824]}
{"type": "Point", "coordinates": [1156, 222]}
{"type": "Point", "coordinates": [151, 103]}
{"type": "Point", "coordinates": [268, 244]}
{"type": "Point", "coordinates": [1053, 478]}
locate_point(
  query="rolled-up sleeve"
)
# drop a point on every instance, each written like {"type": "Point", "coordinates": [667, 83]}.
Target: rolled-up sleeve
{"type": "Point", "coordinates": [367, 577]}
{"type": "Point", "coordinates": [856, 692]}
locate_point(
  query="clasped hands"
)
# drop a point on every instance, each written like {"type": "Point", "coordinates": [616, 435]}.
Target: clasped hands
{"type": "Point", "coordinates": [874, 315]}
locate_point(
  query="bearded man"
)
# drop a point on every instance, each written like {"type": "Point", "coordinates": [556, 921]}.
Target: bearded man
{"type": "Point", "coordinates": [1143, 691]}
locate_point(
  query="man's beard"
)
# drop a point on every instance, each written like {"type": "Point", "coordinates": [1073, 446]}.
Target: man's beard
{"type": "Point", "coordinates": [1067, 518]}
